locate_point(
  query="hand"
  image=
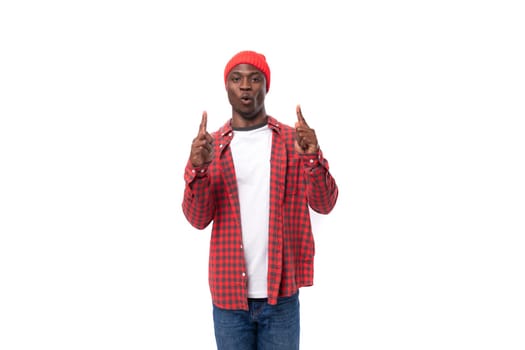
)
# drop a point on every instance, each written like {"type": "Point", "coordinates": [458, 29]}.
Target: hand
{"type": "Point", "coordinates": [201, 147]}
{"type": "Point", "coordinates": [305, 139]}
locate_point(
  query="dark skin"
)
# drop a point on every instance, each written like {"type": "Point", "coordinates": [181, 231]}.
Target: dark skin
{"type": "Point", "coordinates": [246, 88]}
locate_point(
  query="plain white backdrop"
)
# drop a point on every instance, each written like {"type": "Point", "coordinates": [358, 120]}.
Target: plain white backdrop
{"type": "Point", "coordinates": [418, 106]}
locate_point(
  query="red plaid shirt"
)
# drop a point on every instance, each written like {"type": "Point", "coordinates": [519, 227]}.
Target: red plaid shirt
{"type": "Point", "coordinates": [297, 183]}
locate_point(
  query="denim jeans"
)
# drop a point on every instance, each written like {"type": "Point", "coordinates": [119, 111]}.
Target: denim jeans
{"type": "Point", "coordinates": [263, 327]}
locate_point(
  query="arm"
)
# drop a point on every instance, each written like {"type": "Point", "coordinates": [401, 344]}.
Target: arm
{"type": "Point", "coordinates": [321, 188]}
{"type": "Point", "coordinates": [197, 203]}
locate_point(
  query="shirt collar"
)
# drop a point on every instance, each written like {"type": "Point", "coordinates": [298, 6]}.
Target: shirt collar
{"type": "Point", "coordinates": [273, 124]}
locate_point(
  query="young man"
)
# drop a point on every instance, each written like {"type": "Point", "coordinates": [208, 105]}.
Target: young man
{"type": "Point", "coordinates": [256, 179]}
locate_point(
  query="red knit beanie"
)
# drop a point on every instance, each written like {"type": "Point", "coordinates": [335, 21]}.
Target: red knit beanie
{"type": "Point", "coordinates": [250, 57]}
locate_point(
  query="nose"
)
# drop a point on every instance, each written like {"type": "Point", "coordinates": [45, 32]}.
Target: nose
{"type": "Point", "coordinates": [245, 84]}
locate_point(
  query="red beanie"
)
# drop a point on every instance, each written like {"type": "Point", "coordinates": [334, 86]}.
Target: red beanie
{"type": "Point", "coordinates": [250, 57]}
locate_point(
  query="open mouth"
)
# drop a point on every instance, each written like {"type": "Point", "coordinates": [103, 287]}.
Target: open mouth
{"type": "Point", "coordinates": [246, 98]}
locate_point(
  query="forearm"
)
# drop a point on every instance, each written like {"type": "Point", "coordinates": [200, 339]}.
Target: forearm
{"type": "Point", "coordinates": [197, 204]}
{"type": "Point", "coordinates": [321, 188]}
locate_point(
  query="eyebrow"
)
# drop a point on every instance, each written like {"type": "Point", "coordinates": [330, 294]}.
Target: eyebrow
{"type": "Point", "coordinates": [246, 73]}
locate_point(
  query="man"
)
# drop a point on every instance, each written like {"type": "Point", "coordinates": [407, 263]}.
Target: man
{"type": "Point", "coordinates": [256, 179]}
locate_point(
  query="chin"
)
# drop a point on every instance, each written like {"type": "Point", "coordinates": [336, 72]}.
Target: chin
{"type": "Point", "coordinates": [247, 113]}
{"type": "Point", "coordinates": [250, 116]}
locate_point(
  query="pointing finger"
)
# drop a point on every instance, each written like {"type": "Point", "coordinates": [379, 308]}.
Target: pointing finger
{"type": "Point", "coordinates": [204, 122]}
{"type": "Point", "coordinates": [300, 117]}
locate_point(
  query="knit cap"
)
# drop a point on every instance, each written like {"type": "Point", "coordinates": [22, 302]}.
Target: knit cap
{"type": "Point", "coordinates": [250, 57]}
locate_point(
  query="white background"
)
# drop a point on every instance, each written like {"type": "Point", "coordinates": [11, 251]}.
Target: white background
{"type": "Point", "coordinates": [419, 108]}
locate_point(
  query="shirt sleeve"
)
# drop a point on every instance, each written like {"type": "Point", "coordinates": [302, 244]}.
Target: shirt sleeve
{"type": "Point", "coordinates": [321, 188]}
{"type": "Point", "coordinates": [197, 203]}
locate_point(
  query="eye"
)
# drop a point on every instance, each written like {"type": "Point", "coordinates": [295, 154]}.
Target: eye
{"type": "Point", "coordinates": [235, 79]}
{"type": "Point", "coordinates": [256, 79]}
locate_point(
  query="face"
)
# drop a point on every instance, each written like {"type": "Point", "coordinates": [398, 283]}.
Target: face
{"type": "Point", "coordinates": [246, 87]}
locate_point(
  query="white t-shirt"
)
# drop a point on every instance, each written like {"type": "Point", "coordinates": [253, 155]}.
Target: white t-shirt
{"type": "Point", "coordinates": [251, 152]}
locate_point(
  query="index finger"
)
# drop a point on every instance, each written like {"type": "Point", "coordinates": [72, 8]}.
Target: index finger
{"type": "Point", "coordinates": [300, 117]}
{"type": "Point", "coordinates": [204, 122]}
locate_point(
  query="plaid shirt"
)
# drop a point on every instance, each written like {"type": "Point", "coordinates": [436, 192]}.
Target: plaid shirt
{"type": "Point", "coordinates": [297, 183]}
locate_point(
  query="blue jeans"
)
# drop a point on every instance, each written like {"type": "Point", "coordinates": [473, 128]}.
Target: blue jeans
{"type": "Point", "coordinates": [263, 327]}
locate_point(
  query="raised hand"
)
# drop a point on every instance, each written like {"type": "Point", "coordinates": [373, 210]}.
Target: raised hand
{"type": "Point", "coordinates": [201, 147]}
{"type": "Point", "coordinates": [305, 139]}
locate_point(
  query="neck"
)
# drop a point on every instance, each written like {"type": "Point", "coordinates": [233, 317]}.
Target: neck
{"type": "Point", "coordinates": [242, 122]}
{"type": "Point", "coordinates": [248, 128]}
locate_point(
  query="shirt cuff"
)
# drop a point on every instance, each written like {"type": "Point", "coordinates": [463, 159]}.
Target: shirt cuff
{"type": "Point", "coordinates": [195, 172]}
{"type": "Point", "coordinates": [311, 160]}
{"type": "Point", "coordinates": [200, 171]}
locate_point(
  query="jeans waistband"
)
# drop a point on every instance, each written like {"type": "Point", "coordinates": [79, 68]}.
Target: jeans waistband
{"type": "Point", "coordinates": [258, 299]}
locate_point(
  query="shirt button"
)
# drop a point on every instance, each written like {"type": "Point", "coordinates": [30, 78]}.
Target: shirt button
{"type": "Point", "coordinates": [311, 160]}
{"type": "Point", "coordinates": [220, 145]}
{"type": "Point", "coordinates": [243, 274]}
{"type": "Point", "coordinates": [193, 171]}
{"type": "Point", "coordinates": [241, 246]}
